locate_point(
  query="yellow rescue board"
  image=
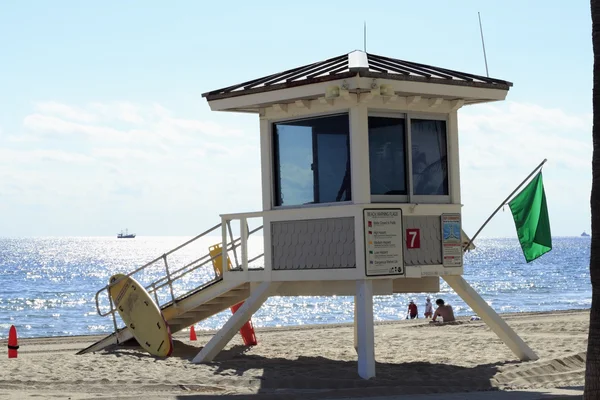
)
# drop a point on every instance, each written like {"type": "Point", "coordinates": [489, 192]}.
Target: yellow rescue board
{"type": "Point", "coordinates": [141, 315]}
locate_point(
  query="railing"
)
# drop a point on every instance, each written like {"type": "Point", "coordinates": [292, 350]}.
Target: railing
{"type": "Point", "coordinates": [170, 276]}
{"type": "Point", "coordinates": [244, 234]}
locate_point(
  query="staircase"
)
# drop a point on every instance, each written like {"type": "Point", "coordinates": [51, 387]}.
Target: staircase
{"type": "Point", "coordinates": [190, 308]}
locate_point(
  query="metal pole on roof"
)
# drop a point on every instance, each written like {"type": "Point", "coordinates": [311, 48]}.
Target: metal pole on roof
{"type": "Point", "coordinates": [365, 36]}
{"type": "Point", "coordinates": [483, 44]}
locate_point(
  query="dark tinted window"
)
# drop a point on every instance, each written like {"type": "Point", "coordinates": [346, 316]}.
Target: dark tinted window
{"type": "Point", "coordinates": [387, 155]}
{"type": "Point", "coordinates": [429, 157]}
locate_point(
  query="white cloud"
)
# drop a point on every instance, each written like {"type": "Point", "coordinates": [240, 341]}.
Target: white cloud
{"type": "Point", "coordinates": [516, 135]}
{"type": "Point", "coordinates": [119, 153]}
{"type": "Point", "coordinates": [100, 121]}
{"type": "Point", "coordinates": [40, 123]}
{"type": "Point", "coordinates": [500, 144]}
{"type": "Point", "coordinates": [233, 152]}
{"type": "Point", "coordinates": [119, 111]}
{"type": "Point", "coordinates": [17, 157]}
{"type": "Point", "coordinates": [205, 127]}
{"type": "Point", "coordinates": [99, 165]}
{"type": "Point", "coordinates": [160, 110]}
{"type": "Point", "coordinates": [22, 139]}
{"type": "Point", "coordinates": [94, 112]}
{"type": "Point", "coordinates": [65, 111]}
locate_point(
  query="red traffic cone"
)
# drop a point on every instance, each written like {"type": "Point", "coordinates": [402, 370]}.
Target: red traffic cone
{"type": "Point", "coordinates": [193, 333]}
{"type": "Point", "coordinates": [247, 331]}
{"type": "Point", "coordinates": [12, 342]}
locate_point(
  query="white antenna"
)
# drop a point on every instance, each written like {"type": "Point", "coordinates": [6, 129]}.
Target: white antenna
{"type": "Point", "coordinates": [365, 36]}
{"type": "Point", "coordinates": [483, 44]}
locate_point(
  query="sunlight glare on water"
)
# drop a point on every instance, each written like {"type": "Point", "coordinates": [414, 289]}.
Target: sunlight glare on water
{"type": "Point", "coordinates": [47, 285]}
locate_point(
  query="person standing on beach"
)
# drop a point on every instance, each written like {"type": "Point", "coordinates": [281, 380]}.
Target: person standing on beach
{"type": "Point", "coordinates": [412, 310]}
{"type": "Point", "coordinates": [444, 311]}
{"type": "Point", "coordinates": [428, 308]}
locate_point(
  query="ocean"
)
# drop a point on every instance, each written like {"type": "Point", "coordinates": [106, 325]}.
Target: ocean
{"type": "Point", "coordinates": [48, 285]}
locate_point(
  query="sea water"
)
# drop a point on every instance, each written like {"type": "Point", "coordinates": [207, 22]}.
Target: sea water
{"type": "Point", "coordinates": [48, 285]}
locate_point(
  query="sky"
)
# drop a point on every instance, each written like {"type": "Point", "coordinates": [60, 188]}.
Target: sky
{"type": "Point", "coordinates": [103, 127]}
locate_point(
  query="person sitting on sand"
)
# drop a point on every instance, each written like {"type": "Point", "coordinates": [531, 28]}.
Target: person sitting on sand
{"type": "Point", "coordinates": [444, 311]}
{"type": "Point", "coordinates": [428, 308]}
{"type": "Point", "coordinates": [412, 310]}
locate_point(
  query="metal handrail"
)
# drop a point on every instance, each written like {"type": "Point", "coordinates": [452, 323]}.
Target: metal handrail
{"type": "Point", "coordinates": [174, 275]}
{"type": "Point", "coordinates": [231, 246]}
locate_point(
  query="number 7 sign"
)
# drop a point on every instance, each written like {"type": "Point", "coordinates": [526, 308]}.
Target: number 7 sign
{"type": "Point", "coordinates": [413, 238]}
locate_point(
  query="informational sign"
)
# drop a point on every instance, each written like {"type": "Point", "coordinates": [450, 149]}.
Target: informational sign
{"type": "Point", "coordinates": [413, 238]}
{"type": "Point", "coordinates": [383, 242]}
{"type": "Point", "coordinates": [452, 253]}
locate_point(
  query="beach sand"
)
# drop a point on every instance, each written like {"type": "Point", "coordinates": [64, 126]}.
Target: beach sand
{"type": "Point", "coordinates": [413, 357]}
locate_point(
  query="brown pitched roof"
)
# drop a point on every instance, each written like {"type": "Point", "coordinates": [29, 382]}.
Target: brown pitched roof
{"type": "Point", "coordinates": [361, 64]}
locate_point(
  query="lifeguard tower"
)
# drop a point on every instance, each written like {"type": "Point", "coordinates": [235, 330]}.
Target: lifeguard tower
{"type": "Point", "coordinates": [360, 194]}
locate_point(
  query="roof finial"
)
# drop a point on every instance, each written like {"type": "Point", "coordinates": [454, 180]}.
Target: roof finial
{"type": "Point", "coordinates": [365, 36]}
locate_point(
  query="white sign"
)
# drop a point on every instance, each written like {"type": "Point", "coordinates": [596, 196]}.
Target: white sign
{"type": "Point", "coordinates": [383, 242]}
{"type": "Point", "coordinates": [452, 252]}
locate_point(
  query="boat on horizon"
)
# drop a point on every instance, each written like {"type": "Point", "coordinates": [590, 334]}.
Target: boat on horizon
{"type": "Point", "coordinates": [584, 234]}
{"type": "Point", "coordinates": [125, 235]}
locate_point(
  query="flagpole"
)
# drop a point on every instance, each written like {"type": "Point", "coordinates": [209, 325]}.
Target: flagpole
{"type": "Point", "coordinates": [504, 202]}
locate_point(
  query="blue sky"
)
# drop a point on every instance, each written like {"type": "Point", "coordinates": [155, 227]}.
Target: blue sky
{"type": "Point", "coordinates": [102, 124]}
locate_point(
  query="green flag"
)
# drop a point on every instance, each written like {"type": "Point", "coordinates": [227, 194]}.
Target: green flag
{"type": "Point", "coordinates": [530, 212]}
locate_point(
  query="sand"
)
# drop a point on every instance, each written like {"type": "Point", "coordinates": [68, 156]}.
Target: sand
{"type": "Point", "coordinates": [413, 357]}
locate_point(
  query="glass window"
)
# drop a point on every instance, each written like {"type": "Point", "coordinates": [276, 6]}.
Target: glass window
{"type": "Point", "coordinates": [312, 161]}
{"type": "Point", "coordinates": [390, 156]}
{"type": "Point", "coordinates": [429, 157]}
{"type": "Point", "coordinates": [387, 156]}
{"type": "Point", "coordinates": [294, 151]}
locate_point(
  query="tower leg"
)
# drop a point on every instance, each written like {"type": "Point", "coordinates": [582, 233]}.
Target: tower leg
{"type": "Point", "coordinates": [491, 318]}
{"type": "Point", "coordinates": [355, 325]}
{"type": "Point", "coordinates": [234, 324]}
{"type": "Point", "coordinates": [364, 328]}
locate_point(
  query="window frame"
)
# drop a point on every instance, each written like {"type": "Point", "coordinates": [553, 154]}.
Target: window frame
{"type": "Point", "coordinates": [412, 198]}
{"type": "Point", "coordinates": [275, 160]}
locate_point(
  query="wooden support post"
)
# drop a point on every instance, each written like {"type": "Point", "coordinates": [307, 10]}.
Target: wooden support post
{"type": "Point", "coordinates": [365, 330]}
{"type": "Point", "coordinates": [490, 317]}
{"type": "Point", "coordinates": [235, 323]}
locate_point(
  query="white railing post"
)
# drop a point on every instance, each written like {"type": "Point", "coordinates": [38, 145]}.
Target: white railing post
{"type": "Point", "coordinates": [244, 237]}
{"type": "Point", "coordinates": [168, 279]}
{"type": "Point", "coordinates": [155, 294]}
{"type": "Point", "coordinates": [224, 259]}
{"type": "Point", "coordinates": [233, 246]}
{"type": "Point", "coordinates": [113, 311]}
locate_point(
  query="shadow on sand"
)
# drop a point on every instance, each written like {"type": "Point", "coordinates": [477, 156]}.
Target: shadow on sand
{"type": "Point", "coordinates": [319, 377]}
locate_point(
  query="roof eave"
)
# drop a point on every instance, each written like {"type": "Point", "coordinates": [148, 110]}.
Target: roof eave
{"type": "Point", "coordinates": [255, 99]}
{"type": "Point", "coordinates": [361, 72]}
{"type": "Point", "coordinates": [396, 77]}
{"type": "Point", "coordinates": [287, 85]}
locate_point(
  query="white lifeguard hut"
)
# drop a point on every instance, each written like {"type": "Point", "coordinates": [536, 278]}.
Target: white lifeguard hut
{"type": "Point", "coordinates": [360, 197]}
{"type": "Point", "coordinates": [360, 186]}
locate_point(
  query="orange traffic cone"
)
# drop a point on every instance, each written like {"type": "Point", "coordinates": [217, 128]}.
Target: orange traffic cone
{"type": "Point", "coordinates": [12, 342]}
{"type": "Point", "coordinates": [193, 333]}
{"type": "Point", "coordinates": [247, 331]}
